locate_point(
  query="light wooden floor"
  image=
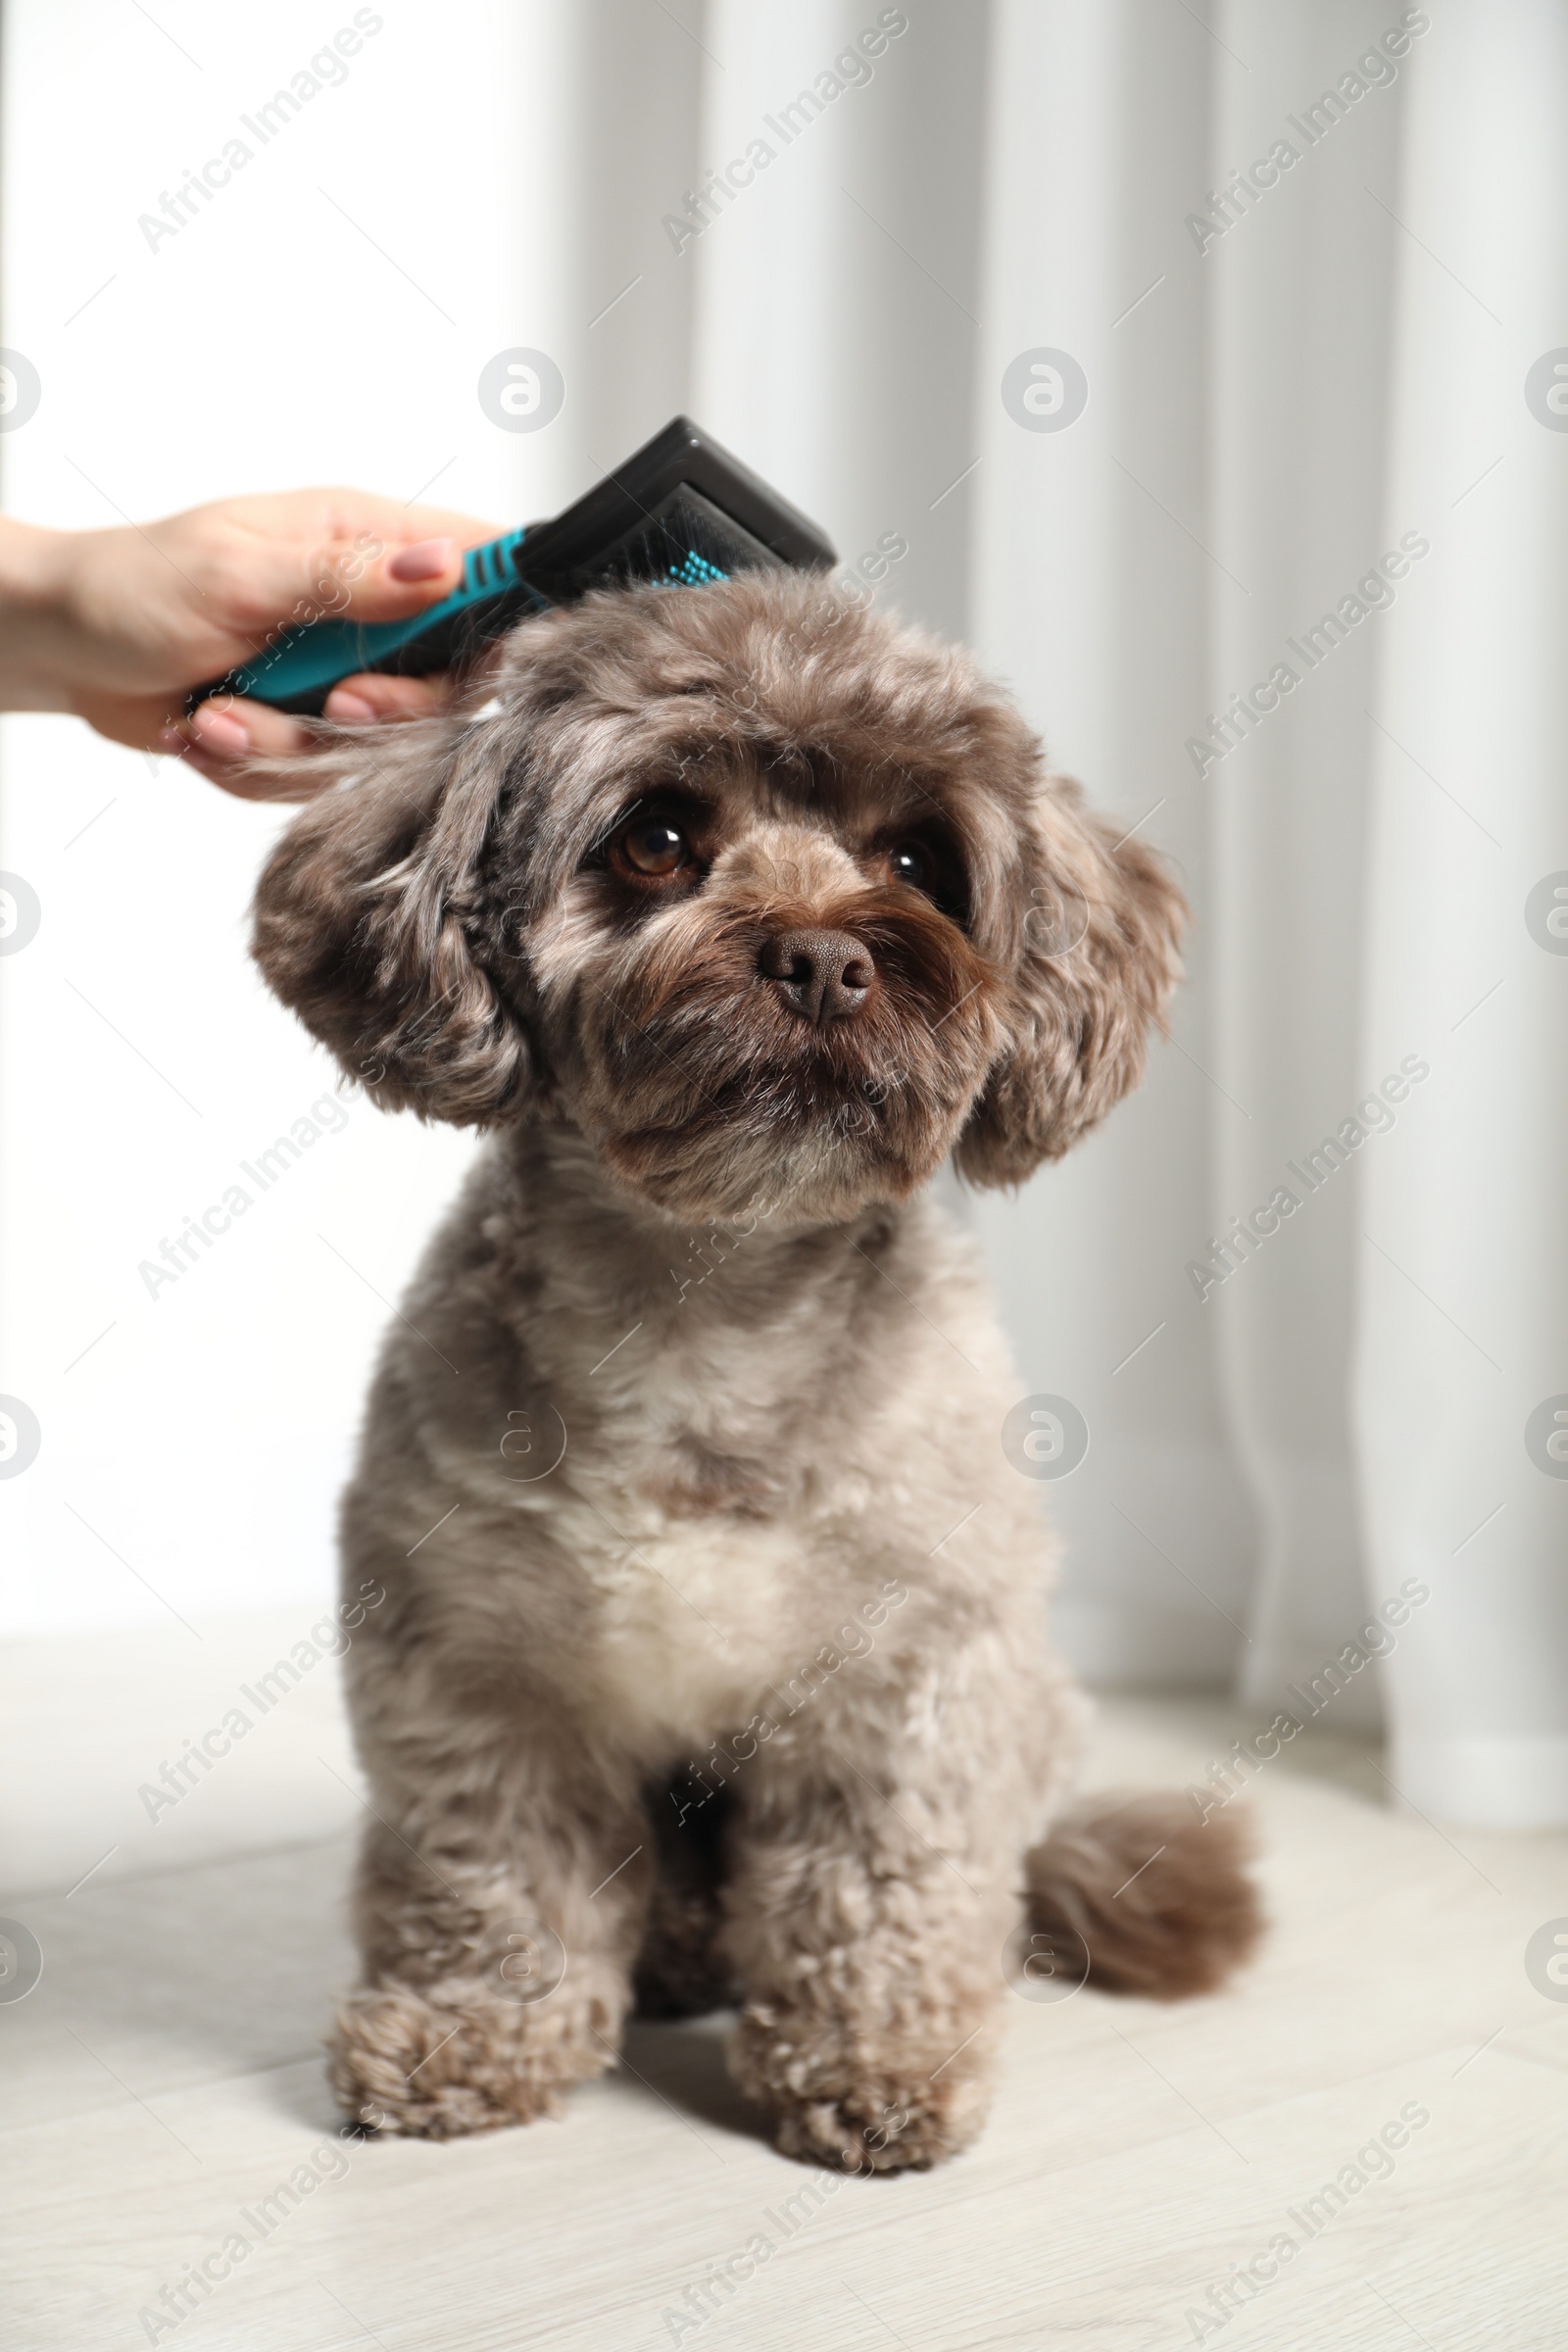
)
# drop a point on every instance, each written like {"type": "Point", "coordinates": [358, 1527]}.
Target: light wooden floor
{"type": "Point", "coordinates": [163, 2078]}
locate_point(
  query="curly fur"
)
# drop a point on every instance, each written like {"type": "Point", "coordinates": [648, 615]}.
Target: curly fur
{"type": "Point", "coordinates": [722, 1675]}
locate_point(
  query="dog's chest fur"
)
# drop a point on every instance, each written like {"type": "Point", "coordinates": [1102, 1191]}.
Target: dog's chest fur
{"type": "Point", "coordinates": [761, 1429]}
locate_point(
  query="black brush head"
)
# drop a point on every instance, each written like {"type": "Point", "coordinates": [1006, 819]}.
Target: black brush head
{"type": "Point", "coordinates": [685, 542]}
{"type": "Point", "coordinates": [682, 511]}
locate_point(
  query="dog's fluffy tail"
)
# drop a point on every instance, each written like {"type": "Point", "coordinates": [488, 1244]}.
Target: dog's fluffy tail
{"type": "Point", "coordinates": [1160, 1902]}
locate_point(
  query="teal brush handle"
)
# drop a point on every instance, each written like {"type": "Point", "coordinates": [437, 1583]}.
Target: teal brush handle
{"type": "Point", "coordinates": [301, 668]}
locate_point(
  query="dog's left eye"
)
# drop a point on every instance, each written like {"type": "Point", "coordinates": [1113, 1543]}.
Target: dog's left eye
{"type": "Point", "coordinates": [653, 848]}
{"type": "Point", "coordinates": [912, 861]}
{"type": "Point", "coordinates": [934, 870]}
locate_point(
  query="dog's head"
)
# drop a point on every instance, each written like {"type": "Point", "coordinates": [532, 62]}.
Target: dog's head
{"type": "Point", "coordinates": [766, 895]}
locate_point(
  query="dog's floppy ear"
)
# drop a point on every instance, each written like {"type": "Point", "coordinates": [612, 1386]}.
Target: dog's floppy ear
{"type": "Point", "coordinates": [1097, 962]}
{"type": "Point", "coordinates": [372, 921]}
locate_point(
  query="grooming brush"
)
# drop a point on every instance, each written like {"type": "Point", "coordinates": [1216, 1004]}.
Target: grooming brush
{"type": "Point", "coordinates": [681, 512]}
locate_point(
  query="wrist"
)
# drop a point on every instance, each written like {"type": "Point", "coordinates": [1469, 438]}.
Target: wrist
{"type": "Point", "coordinates": [36, 568]}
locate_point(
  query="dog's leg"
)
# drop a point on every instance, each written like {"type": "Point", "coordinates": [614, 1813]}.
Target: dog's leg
{"type": "Point", "coordinates": [499, 1920]}
{"type": "Point", "coordinates": [868, 1908]}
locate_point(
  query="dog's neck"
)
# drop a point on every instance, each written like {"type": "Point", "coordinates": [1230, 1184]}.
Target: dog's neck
{"type": "Point", "coordinates": [675, 1348]}
{"type": "Point", "coordinates": [669, 1255]}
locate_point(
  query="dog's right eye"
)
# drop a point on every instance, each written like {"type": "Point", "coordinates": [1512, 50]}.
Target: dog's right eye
{"type": "Point", "coordinates": [651, 848]}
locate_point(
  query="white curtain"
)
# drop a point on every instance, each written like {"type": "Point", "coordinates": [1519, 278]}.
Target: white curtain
{"type": "Point", "coordinates": [1337, 377]}
{"type": "Point", "coordinates": [1325, 389]}
{"type": "Point", "coordinates": [1283, 393]}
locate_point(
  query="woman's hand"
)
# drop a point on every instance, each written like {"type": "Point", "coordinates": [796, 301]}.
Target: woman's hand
{"type": "Point", "coordinates": [119, 625]}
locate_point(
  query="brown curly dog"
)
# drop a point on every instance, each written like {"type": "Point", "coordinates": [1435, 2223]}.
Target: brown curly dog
{"type": "Point", "coordinates": [730, 912]}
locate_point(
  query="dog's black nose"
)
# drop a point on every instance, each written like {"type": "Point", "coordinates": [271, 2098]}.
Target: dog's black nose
{"type": "Point", "coordinates": [823, 975]}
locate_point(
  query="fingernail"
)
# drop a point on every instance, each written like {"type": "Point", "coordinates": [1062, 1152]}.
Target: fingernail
{"type": "Point", "coordinates": [352, 708]}
{"type": "Point", "coordinates": [427, 560]}
{"type": "Point", "coordinates": [217, 733]}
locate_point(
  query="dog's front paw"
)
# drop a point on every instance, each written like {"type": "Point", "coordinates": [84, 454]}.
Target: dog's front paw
{"type": "Point", "coordinates": [441, 2063]}
{"type": "Point", "coordinates": [891, 2113]}
{"type": "Point", "coordinates": [881, 2125]}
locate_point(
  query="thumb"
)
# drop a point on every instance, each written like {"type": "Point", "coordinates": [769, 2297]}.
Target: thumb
{"type": "Point", "coordinates": [366, 565]}
{"type": "Point", "coordinates": [363, 580]}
